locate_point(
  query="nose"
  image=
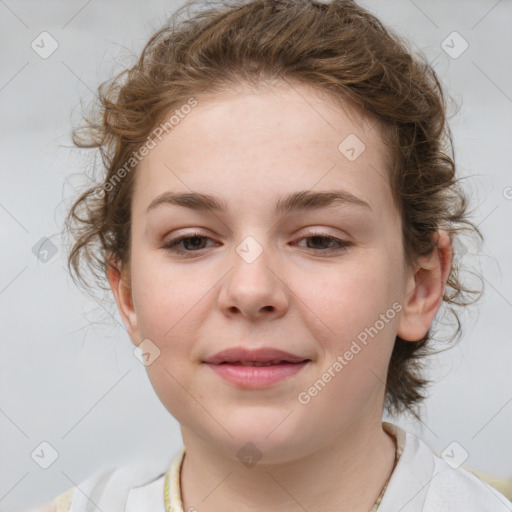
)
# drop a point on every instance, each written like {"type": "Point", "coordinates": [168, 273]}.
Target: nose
{"type": "Point", "coordinates": [255, 287]}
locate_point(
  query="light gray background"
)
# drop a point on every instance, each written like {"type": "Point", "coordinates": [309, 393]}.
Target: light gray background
{"type": "Point", "coordinates": [76, 384]}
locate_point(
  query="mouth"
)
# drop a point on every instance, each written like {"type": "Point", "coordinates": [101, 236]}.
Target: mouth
{"type": "Point", "coordinates": [266, 356]}
{"type": "Point", "coordinates": [252, 369]}
{"type": "Point", "coordinates": [257, 375]}
{"type": "Point", "coordinates": [262, 363]}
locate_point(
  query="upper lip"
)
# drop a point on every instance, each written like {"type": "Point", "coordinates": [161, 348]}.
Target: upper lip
{"type": "Point", "coordinates": [260, 355]}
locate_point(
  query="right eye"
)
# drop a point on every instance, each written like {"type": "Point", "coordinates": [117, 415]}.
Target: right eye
{"type": "Point", "coordinates": [192, 240]}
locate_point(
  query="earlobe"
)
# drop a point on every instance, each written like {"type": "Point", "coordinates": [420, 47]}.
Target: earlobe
{"type": "Point", "coordinates": [425, 289]}
{"type": "Point", "coordinates": [121, 289]}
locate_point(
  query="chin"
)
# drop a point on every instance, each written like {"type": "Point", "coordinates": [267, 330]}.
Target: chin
{"type": "Point", "coordinates": [272, 435]}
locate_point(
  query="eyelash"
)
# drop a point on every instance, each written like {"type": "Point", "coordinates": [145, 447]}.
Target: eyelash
{"type": "Point", "coordinates": [172, 245]}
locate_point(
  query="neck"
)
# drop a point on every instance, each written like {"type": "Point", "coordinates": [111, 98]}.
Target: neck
{"type": "Point", "coordinates": [346, 475]}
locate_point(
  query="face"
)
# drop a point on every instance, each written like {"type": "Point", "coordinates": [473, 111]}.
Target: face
{"type": "Point", "coordinates": [314, 281]}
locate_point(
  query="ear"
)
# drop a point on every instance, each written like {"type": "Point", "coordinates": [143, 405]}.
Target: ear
{"type": "Point", "coordinates": [425, 290]}
{"type": "Point", "coordinates": [120, 283]}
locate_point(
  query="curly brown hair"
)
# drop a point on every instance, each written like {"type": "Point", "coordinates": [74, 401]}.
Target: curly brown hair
{"type": "Point", "coordinates": [337, 47]}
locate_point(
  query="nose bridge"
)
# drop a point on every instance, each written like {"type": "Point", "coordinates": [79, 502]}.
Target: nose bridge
{"type": "Point", "coordinates": [250, 249]}
{"type": "Point", "coordinates": [253, 263]}
{"type": "Point", "coordinates": [253, 284]}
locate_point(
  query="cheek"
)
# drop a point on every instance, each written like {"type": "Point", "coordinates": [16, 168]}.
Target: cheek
{"type": "Point", "coordinates": [165, 296]}
{"type": "Point", "coordinates": [350, 313]}
{"type": "Point", "coordinates": [341, 302]}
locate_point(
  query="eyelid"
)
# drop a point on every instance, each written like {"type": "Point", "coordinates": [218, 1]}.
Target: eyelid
{"type": "Point", "coordinates": [342, 244]}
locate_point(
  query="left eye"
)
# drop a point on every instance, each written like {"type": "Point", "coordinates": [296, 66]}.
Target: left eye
{"type": "Point", "coordinates": [317, 238]}
{"type": "Point", "coordinates": [193, 241]}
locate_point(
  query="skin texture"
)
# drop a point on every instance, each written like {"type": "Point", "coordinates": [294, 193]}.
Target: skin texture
{"type": "Point", "coordinates": [249, 148]}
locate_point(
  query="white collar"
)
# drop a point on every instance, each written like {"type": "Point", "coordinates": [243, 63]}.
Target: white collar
{"type": "Point", "coordinates": [421, 481]}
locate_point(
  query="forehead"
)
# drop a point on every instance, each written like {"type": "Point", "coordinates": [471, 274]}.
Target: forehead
{"type": "Point", "coordinates": [256, 145]}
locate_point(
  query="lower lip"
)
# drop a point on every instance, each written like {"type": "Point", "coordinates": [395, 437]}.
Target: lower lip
{"type": "Point", "coordinates": [253, 377]}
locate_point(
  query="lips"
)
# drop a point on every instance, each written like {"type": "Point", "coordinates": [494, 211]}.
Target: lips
{"type": "Point", "coordinates": [255, 363]}
{"type": "Point", "coordinates": [257, 368]}
{"type": "Point", "coordinates": [266, 356]}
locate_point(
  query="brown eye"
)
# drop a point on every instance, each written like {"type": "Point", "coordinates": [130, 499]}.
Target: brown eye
{"type": "Point", "coordinates": [319, 239]}
{"type": "Point", "coordinates": [193, 242]}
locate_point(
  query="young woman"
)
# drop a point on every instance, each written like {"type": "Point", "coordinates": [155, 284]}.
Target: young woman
{"type": "Point", "coordinates": [276, 223]}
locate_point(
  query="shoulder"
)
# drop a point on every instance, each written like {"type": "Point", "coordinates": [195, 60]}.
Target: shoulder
{"type": "Point", "coordinates": [464, 489]}
{"type": "Point", "coordinates": [108, 486]}
{"type": "Point", "coordinates": [424, 481]}
{"type": "Point", "coordinates": [62, 502]}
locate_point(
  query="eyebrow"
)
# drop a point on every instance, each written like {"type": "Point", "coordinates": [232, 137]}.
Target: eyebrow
{"type": "Point", "coordinates": [302, 200]}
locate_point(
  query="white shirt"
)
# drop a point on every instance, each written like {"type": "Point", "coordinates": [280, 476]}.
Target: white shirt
{"type": "Point", "coordinates": [421, 482]}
